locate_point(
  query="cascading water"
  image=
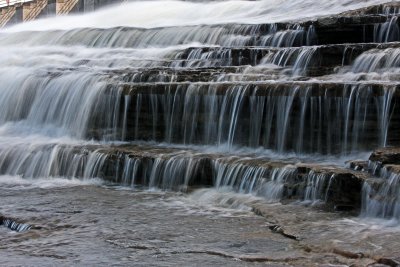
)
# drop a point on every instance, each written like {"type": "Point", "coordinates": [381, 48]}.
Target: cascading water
{"type": "Point", "coordinates": [258, 180]}
{"type": "Point", "coordinates": [80, 99]}
{"type": "Point", "coordinates": [201, 133]}
{"type": "Point", "coordinates": [317, 188]}
{"type": "Point", "coordinates": [152, 14]}
{"type": "Point", "coordinates": [381, 199]}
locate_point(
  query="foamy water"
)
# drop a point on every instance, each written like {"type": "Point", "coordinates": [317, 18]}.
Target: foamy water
{"type": "Point", "coordinates": [13, 182]}
{"type": "Point", "coordinates": [152, 14]}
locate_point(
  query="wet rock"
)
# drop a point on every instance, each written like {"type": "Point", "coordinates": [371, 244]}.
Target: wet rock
{"type": "Point", "coordinates": [156, 123]}
{"type": "Point", "coordinates": [348, 254]}
{"type": "Point", "coordinates": [14, 225]}
{"type": "Point", "coordinates": [358, 165]}
{"type": "Point", "coordinates": [388, 155]}
{"type": "Point", "coordinates": [387, 159]}
{"type": "Point", "coordinates": [345, 190]}
{"type": "Point", "coordinates": [393, 262]}
{"type": "Point", "coordinates": [280, 230]}
{"type": "Point", "coordinates": [344, 207]}
{"type": "Point", "coordinates": [382, 9]}
{"type": "Point", "coordinates": [172, 168]}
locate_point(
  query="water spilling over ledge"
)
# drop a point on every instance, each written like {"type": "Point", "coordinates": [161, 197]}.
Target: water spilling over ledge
{"type": "Point", "coordinates": [251, 110]}
{"type": "Point", "coordinates": [282, 86]}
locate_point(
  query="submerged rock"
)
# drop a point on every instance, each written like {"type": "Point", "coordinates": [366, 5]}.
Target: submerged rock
{"type": "Point", "coordinates": [14, 225]}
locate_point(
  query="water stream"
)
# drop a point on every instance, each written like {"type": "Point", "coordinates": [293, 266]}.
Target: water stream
{"type": "Point", "coordinates": [65, 87]}
{"type": "Point", "coordinates": [237, 97]}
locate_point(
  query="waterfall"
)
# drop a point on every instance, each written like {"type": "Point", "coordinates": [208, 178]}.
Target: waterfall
{"type": "Point", "coordinates": [377, 61]}
{"type": "Point", "coordinates": [318, 185]}
{"type": "Point", "coordinates": [150, 14]}
{"type": "Point", "coordinates": [261, 181]}
{"type": "Point", "coordinates": [388, 31]}
{"type": "Point", "coordinates": [251, 98]}
{"type": "Point", "coordinates": [382, 200]}
{"type": "Point", "coordinates": [269, 116]}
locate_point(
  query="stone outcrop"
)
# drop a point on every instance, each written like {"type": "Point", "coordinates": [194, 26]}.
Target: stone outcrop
{"type": "Point", "coordinates": [386, 156]}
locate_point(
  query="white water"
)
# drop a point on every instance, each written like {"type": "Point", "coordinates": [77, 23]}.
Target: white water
{"type": "Point", "coordinates": [8, 182]}
{"type": "Point", "coordinates": [152, 14]}
{"type": "Point", "coordinates": [382, 200]}
{"type": "Point", "coordinates": [224, 199]}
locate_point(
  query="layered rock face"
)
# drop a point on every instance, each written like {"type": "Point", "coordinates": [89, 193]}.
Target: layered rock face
{"type": "Point", "coordinates": [266, 109]}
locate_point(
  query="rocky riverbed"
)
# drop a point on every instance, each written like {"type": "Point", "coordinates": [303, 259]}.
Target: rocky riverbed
{"type": "Point", "coordinates": [93, 224]}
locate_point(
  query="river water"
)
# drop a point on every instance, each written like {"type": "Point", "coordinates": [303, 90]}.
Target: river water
{"type": "Point", "coordinates": [135, 135]}
{"type": "Point", "coordinates": [90, 224]}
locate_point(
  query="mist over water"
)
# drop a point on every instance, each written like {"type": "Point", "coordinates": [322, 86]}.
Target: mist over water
{"type": "Point", "coordinates": [18, 183]}
{"type": "Point", "coordinates": [153, 14]}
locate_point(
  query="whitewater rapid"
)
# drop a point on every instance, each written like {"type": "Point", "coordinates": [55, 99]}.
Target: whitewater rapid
{"type": "Point", "coordinates": [154, 14]}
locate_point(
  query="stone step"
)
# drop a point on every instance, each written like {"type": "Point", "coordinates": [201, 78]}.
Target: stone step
{"type": "Point", "coordinates": [294, 116]}
{"type": "Point", "coordinates": [390, 8]}
{"type": "Point", "coordinates": [213, 63]}
{"type": "Point", "coordinates": [381, 196]}
{"type": "Point", "coordinates": [327, 30]}
{"type": "Point", "coordinates": [323, 55]}
{"type": "Point", "coordinates": [358, 165]}
{"type": "Point", "coordinates": [300, 116]}
{"type": "Point", "coordinates": [310, 88]}
{"type": "Point", "coordinates": [174, 168]}
{"type": "Point", "coordinates": [381, 193]}
{"type": "Point", "coordinates": [388, 157]}
{"type": "Point", "coordinates": [361, 29]}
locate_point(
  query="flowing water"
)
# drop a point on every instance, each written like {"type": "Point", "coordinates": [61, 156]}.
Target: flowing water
{"type": "Point", "coordinates": [157, 130]}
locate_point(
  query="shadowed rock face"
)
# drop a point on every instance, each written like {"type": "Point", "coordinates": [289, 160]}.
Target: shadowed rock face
{"type": "Point", "coordinates": [293, 116]}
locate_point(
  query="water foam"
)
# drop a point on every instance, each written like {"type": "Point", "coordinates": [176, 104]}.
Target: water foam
{"type": "Point", "coordinates": [16, 182]}
{"type": "Point", "coordinates": [153, 14]}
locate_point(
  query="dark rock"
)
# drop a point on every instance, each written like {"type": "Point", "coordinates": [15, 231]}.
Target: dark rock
{"type": "Point", "coordinates": [358, 165]}
{"type": "Point", "coordinates": [393, 262]}
{"type": "Point", "coordinates": [344, 207]}
{"type": "Point", "coordinates": [388, 155]}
